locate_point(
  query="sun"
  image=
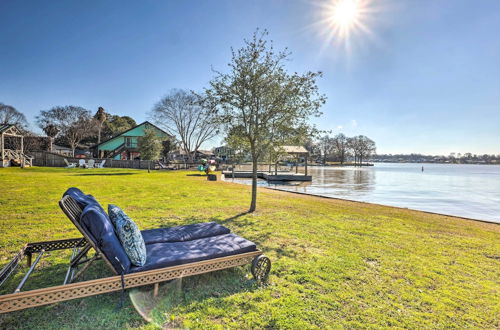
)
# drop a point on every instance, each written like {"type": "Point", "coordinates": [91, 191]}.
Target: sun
{"type": "Point", "coordinates": [342, 21]}
{"type": "Point", "coordinates": [345, 13]}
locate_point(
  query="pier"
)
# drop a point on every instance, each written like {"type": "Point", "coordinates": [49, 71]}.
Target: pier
{"type": "Point", "coordinates": [279, 176]}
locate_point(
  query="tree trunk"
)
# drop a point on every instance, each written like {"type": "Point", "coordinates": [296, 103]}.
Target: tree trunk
{"type": "Point", "coordinates": [253, 203]}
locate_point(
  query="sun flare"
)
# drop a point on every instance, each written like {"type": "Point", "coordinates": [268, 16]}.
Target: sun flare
{"type": "Point", "coordinates": [345, 13]}
{"type": "Point", "coordinates": [343, 20]}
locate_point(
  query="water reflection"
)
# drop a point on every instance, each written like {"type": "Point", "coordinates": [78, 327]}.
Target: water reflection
{"type": "Point", "coordinates": [461, 190]}
{"type": "Point", "coordinates": [340, 181]}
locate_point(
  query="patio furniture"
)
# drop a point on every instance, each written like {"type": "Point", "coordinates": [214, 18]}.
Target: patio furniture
{"type": "Point", "coordinates": [68, 164]}
{"type": "Point", "coordinates": [91, 163]}
{"type": "Point", "coordinates": [81, 163]}
{"type": "Point", "coordinates": [101, 164]}
{"type": "Point", "coordinates": [172, 253]}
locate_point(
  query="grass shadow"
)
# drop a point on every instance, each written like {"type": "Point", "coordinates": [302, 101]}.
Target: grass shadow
{"type": "Point", "coordinates": [199, 174]}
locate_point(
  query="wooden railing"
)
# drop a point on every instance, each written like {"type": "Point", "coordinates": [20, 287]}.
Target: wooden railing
{"type": "Point", "coordinates": [18, 155]}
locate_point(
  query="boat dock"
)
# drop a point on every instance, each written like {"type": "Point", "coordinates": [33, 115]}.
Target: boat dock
{"type": "Point", "coordinates": [273, 176]}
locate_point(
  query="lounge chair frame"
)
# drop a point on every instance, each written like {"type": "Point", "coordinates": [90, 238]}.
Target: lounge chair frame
{"type": "Point", "coordinates": [81, 246]}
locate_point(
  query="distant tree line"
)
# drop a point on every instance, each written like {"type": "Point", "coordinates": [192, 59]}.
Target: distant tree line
{"type": "Point", "coordinates": [452, 158]}
{"type": "Point", "coordinates": [340, 148]}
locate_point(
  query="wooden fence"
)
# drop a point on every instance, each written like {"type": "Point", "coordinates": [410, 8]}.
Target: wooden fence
{"type": "Point", "coordinates": [50, 159]}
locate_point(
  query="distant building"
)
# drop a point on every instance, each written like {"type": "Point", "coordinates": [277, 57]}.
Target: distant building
{"type": "Point", "coordinates": [224, 153]}
{"type": "Point", "coordinates": [180, 155]}
{"type": "Point", "coordinates": [62, 150]}
{"type": "Point", "coordinates": [124, 145]}
{"type": "Point", "coordinates": [207, 154]}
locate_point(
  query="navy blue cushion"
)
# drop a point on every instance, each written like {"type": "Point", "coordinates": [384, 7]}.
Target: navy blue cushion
{"type": "Point", "coordinates": [183, 233]}
{"type": "Point", "coordinates": [97, 222]}
{"type": "Point", "coordinates": [82, 199]}
{"type": "Point", "coordinates": [161, 255]}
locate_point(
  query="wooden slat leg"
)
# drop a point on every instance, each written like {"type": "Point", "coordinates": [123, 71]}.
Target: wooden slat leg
{"type": "Point", "coordinates": [155, 290]}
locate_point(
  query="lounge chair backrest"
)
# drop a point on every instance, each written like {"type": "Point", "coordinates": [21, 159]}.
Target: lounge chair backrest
{"type": "Point", "coordinates": [101, 165]}
{"type": "Point", "coordinates": [66, 161]}
{"type": "Point", "coordinates": [81, 162]}
{"type": "Point", "coordinates": [73, 211]}
{"type": "Point", "coordinates": [91, 163]}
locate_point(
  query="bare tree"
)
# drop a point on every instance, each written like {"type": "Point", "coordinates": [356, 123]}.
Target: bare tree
{"type": "Point", "coordinates": [9, 115]}
{"type": "Point", "coordinates": [326, 147]}
{"type": "Point", "coordinates": [341, 148]}
{"type": "Point", "coordinates": [183, 114]}
{"type": "Point", "coordinates": [362, 148]}
{"type": "Point", "coordinates": [261, 104]}
{"type": "Point", "coordinates": [353, 144]}
{"type": "Point", "coordinates": [74, 123]}
{"type": "Point", "coordinates": [34, 142]}
{"type": "Point", "coordinates": [367, 148]}
{"type": "Point", "coordinates": [312, 147]}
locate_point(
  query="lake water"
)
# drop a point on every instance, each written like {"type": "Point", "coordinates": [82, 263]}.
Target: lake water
{"type": "Point", "coordinates": [471, 191]}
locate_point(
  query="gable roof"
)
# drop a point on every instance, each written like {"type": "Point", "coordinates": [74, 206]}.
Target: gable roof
{"type": "Point", "coordinates": [293, 149]}
{"type": "Point", "coordinates": [5, 127]}
{"type": "Point", "coordinates": [117, 135]}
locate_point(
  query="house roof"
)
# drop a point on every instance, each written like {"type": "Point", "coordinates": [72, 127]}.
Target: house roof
{"type": "Point", "coordinates": [54, 146]}
{"type": "Point", "coordinates": [117, 135]}
{"type": "Point", "coordinates": [293, 149]}
{"type": "Point", "coordinates": [5, 127]}
{"type": "Point", "coordinates": [206, 152]}
{"type": "Point", "coordinates": [203, 152]}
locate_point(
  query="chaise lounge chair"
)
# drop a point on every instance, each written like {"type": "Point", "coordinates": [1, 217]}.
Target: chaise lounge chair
{"type": "Point", "coordinates": [68, 164]}
{"type": "Point", "coordinates": [172, 253]}
{"type": "Point", "coordinates": [91, 163]}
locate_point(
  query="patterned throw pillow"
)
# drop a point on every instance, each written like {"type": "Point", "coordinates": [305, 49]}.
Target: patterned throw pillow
{"type": "Point", "coordinates": [129, 234]}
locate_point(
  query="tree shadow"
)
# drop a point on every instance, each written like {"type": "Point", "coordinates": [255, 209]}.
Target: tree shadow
{"type": "Point", "coordinates": [199, 174]}
{"type": "Point", "coordinates": [236, 217]}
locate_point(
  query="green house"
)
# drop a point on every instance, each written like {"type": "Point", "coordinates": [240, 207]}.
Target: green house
{"type": "Point", "coordinates": [124, 145]}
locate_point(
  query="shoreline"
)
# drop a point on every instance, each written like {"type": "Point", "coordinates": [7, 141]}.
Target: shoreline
{"type": "Point", "coordinates": [396, 207]}
{"type": "Point", "coordinates": [366, 203]}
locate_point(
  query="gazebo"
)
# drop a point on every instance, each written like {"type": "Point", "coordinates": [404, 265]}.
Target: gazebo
{"type": "Point", "coordinates": [297, 151]}
{"type": "Point", "coordinates": [11, 146]}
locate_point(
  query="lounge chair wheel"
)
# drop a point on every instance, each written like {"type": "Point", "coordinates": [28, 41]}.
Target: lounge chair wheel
{"type": "Point", "coordinates": [261, 266]}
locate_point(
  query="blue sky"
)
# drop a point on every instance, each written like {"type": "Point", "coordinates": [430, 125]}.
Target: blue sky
{"type": "Point", "coordinates": [425, 79]}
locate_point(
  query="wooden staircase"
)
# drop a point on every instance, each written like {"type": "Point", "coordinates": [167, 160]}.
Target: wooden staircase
{"type": "Point", "coordinates": [16, 158]}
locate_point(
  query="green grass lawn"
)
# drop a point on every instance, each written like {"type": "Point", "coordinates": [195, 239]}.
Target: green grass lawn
{"type": "Point", "coordinates": [335, 263]}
